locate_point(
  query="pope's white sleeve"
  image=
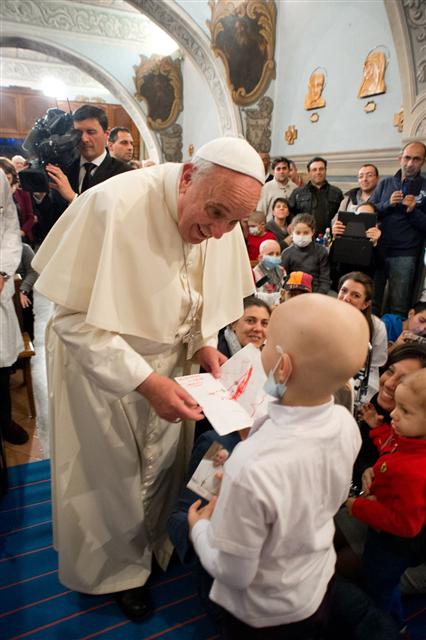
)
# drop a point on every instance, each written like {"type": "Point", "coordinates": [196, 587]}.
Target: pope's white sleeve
{"type": "Point", "coordinates": [236, 572]}
{"type": "Point", "coordinates": [105, 357]}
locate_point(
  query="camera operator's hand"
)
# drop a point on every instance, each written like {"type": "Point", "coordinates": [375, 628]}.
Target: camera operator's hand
{"type": "Point", "coordinates": [60, 182]}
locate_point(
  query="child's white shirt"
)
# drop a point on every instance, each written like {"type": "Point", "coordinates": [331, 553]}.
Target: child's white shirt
{"type": "Point", "coordinates": [274, 517]}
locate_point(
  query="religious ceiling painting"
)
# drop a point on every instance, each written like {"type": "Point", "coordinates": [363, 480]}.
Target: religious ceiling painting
{"type": "Point", "coordinates": [158, 82]}
{"type": "Point", "coordinates": [243, 36]}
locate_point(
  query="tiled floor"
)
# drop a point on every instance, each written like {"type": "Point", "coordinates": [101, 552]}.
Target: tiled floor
{"type": "Point", "coordinates": [37, 447]}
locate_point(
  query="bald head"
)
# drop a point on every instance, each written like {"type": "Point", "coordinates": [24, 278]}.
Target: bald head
{"type": "Point", "coordinates": [269, 248]}
{"type": "Point", "coordinates": [325, 343]}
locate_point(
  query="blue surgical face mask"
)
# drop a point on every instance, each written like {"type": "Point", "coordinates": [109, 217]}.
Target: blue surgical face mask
{"type": "Point", "coordinates": [271, 386]}
{"type": "Point", "coordinates": [269, 262]}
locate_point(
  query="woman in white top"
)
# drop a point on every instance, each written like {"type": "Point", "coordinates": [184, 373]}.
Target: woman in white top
{"type": "Point", "coordinates": [356, 288]}
{"type": "Point", "coordinates": [10, 335]}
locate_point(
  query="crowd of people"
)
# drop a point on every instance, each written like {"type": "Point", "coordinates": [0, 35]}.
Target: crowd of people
{"type": "Point", "coordinates": [157, 272]}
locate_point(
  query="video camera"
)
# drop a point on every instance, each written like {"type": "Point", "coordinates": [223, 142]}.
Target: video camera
{"type": "Point", "coordinates": [53, 140]}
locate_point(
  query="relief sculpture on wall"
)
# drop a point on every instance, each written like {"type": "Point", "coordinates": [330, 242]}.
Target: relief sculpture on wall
{"type": "Point", "coordinates": [158, 81]}
{"type": "Point", "coordinates": [316, 83]}
{"type": "Point", "coordinates": [373, 81]}
{"type": "Point", "coordinates": [243, 36]}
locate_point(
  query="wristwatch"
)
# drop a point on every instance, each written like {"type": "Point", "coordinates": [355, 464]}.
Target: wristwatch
{"type": "Point", "coordinates": [5, 275]}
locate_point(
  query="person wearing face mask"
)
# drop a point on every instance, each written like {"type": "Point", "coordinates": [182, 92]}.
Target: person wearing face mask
{"type": "Point", "coordinates": [257, 234]}
{"type": "Point", "coordinates": [294, 467]}
{"type": "Point", "coordinates": [305, 255]}
{"type": "Point", "coordinates": [269, 266]}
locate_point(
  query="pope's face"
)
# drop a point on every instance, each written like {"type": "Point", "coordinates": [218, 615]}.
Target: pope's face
{"type": "Point", "coordinates": [213, 204]}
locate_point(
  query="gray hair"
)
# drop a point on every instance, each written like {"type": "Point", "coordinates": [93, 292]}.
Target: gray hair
{"type": "Point", "coordinates": [202, 168]}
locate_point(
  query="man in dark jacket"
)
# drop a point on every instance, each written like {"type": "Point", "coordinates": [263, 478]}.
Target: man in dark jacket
{"type": "Point", "coordinates": [317, 197]}
{"type": "Point", "coordinates": [94, 165]}
{"type": "Point", "coordinates": [401, 205]}
{"type": "Point", "coordinates": [368, 177]}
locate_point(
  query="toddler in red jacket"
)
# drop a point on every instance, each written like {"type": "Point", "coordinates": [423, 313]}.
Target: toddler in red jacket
{"type": "Point", "coordinates": [394, 500]}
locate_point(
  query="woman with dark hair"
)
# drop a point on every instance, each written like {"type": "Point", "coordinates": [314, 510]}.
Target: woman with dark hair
{"type": "Point", "coordinates": [356, 288]}
{"type": "Point", "coordinates": [21, 198]}
{"type": "Point", "coordinates": [402, 361]}
{"type": "Point", "coordinates": [251, 327]}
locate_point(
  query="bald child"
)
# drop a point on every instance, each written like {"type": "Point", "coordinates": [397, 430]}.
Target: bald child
{"type": "Point", "coordinates": [268, 539]}
{"type": "Point", "coordinates": [268, 273]}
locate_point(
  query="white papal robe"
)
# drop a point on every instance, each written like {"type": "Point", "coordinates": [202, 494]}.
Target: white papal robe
{"type": "Point", "coordinates": [126, 288]}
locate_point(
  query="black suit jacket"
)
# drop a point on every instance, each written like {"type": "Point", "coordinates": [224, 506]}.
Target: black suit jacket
{"type": "Point", "coordinates": [108, 168]}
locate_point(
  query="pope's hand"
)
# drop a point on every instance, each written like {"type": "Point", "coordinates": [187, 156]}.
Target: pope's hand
{"type": "Point", "coordinates": [210, 359]}
{"type": "Point", "coordinates": [168, 399]}
{"type": "Point", "coordinates": [59, 181]}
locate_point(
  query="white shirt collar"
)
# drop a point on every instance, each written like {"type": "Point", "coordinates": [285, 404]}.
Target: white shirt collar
{"type": "Point", "coordinates": [97, 161]}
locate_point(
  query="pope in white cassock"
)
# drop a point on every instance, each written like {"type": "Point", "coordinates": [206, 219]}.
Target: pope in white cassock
{"type": "Point", "coordinates": [144, 269]}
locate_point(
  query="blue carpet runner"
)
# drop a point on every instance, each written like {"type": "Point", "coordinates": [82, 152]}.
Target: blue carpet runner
{"type": "Point", "coordinates": [35, 606]}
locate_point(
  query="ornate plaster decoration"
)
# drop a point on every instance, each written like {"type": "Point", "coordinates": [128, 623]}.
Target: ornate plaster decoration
{"type": "Point", "coordinates": [258, 124]}
{"type": "Point", "coordinates": [76, 18]}
{"type": "Point", "coordinates": [370, 106]}
{"type": "Point", "coordinates": [373, 80]}
{"type": "Point", "coordinates": [316, 83]}
{"type": "Point", "coordinates": [291, 134]}
{"type": "Point", "coordinates": [398, 120]}
{"type": "Point", "coordinates": [194, 42]}
{"type": "Point", "coordinates": [415, 14]}
{"type": "Point", "coordinates": [171, 143]}
{"type": "Point", "coordinates": [243, 36]}
{"type": "Point", "coordinates": [158, 81]}
{"type": "Point", "coordinates": [22, 70]}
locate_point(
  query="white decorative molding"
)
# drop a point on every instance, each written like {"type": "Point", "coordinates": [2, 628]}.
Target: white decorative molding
{"type": "Point", "coordinates": [194, 42]}
{"type": "Point", "coordinates": [407, 19]}
{"type": "Point", "coordinates": [31, 71]}
{"type": "Point", "coordinates": [76, 18]}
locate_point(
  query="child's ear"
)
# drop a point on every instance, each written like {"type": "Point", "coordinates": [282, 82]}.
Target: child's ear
{"type": "Point", "coordinates": [289, 228]}
{"type": "Point", "coordinates": [284, 370]}
{"type": "Point", "coordinates": [411, 313]}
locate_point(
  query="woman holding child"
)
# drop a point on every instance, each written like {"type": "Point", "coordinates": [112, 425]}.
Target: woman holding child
{"type": "Point", "coordinates": [393, 503]}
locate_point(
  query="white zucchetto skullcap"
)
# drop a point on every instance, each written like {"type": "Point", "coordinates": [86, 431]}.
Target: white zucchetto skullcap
{"type": "Point", "coordinates": [233, 153]}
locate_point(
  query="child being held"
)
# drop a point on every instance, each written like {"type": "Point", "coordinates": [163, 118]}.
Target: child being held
{"type": "Point", "coordinates": [394, 500]}
{"type": "Point", "coordinates": [269, 267]}
{"type": "Point", "coordinates": [257, 234]}
{"type": "Point", "coordinates": [268, 538]}
{"type": "Point", "coordinates": [305, 255]}
{"type": "Point", "coordinates": [278, 224]}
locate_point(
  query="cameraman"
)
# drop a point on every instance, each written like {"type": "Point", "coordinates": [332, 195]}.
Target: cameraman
{"type": "Point", "coordinates": [94, 165]}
